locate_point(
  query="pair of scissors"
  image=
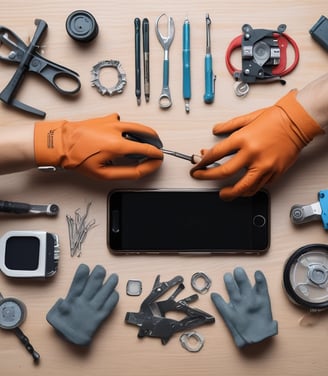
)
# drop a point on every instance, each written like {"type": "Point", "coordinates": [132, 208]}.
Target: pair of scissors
{"type": "Point", "coordinates": [29, 60]}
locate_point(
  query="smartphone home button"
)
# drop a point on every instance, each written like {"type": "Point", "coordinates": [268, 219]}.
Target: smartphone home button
{"type": "Point", "coordinates": [259, 221]}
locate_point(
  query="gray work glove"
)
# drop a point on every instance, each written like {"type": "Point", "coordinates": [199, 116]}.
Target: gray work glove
{"type": "Point", "coordinates": [88, 302]}
{"type": "Point", "coordinates": [248, 314]}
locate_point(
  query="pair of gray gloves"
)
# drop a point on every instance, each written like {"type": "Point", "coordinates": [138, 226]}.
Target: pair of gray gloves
{"type": "Point", "coordinates": [90, 301]}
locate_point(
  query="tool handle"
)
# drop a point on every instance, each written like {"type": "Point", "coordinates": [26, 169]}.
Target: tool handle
{"type": "Point", "coordinates": [186, 75]}
{"type": "Point", "coordinates": [165, 100]}
{"type": "Point", "coordinates": [14, 207]}
{"type": "Point", "coordinates": [137, 57]}
{"type": "Point", "coordinates": [209, 80]}
{"type": "Point", "coordinates": [186, 60]}
{"type": "Point", "coordinates": [26, 342]}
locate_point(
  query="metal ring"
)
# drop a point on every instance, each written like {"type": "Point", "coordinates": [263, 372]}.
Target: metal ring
{"type": "Point", "coordinates": [118, 88]}
{"type": "Point", "coordinates": [241, 89]}
{"type": "Point", "coordinates": [185, 341]}
{"type": "Point", "coordinates": [206, 282]}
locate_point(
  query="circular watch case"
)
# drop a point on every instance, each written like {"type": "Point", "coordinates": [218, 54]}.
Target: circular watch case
{"type": "Point", "coordinates": [12, 313]}
{"type": "Point", "coordinates": [305, 277]}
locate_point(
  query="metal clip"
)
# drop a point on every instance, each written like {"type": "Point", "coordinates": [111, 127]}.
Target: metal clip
{"type": "Point", "coordinates": [116, 89]}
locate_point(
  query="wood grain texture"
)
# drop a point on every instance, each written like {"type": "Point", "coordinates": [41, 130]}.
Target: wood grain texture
{"type": "Point", "coordinates": [116, 350]}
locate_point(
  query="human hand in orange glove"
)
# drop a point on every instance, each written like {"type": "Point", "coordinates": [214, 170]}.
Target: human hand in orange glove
{"type": "Point", "coordinates": [103, 147]}
{"type": "Point", "coordinates": [265, 142]}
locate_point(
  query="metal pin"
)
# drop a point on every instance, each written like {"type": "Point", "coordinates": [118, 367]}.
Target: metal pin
{"type": "Point", "coordinates": [78, 228]}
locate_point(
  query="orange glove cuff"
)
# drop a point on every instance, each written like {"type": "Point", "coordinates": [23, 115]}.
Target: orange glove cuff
{"type": "Point", "coordinates": [303, 125]}
{"type": "Point", "coordinates": [48, 145]}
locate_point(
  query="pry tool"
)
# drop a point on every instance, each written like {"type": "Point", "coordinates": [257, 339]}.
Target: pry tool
{"type": "Point", "coordinates": [209, 76]}
{"type": "Point", "coordinates": [186, 64]}
{"type": "Point", "coordinates": [145, 36]}
{"type": "Point", "coordinates": [24, 208]}
{"type": "Point", "coordinates": [137, 59]}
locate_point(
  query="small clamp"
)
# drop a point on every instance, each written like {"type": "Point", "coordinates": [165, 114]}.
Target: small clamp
{"type": "Point", "coordinates": [29, 60]}
{"type": "Point", "coordinates": [264, 57]}
{"type": "Point", "coordinates": [116, 89]}
{"type": "Point", "coordinates": [152, 320]}
{"type": "Point", "coordinates": [300, 214]}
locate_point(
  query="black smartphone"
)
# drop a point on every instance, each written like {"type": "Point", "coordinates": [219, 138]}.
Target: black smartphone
{"type": "Point", "coordinates": [187, 221]}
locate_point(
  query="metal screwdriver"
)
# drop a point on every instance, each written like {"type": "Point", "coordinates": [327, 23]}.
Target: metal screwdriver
{"type": "Point", "coordinates": [186, 64]}
{"type": "Point", "coordinates": [193, 159]}
{"type": "Point", "coordinates": [209, 76]}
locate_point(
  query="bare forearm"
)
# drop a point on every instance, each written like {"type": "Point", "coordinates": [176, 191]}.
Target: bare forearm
{"type": "Point", "coordinates": [16, 148]}
{"type": "Point", "coordinates": [314, 98]}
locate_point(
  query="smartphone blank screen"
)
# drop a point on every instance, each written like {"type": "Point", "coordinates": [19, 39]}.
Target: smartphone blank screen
{"type": "Point", "coordinates": [186, 221]}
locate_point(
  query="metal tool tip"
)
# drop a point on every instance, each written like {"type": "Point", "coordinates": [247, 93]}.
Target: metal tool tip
{"type": "Point", "coordinates": [139, 101]}
{"type": "Point", "coordinates": [187, 107]}
{"type": "Point", "coordinates": [147, 98]}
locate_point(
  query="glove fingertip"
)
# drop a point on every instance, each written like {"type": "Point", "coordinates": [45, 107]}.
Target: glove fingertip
{"type": "Point", "coordinates": [218, 300]}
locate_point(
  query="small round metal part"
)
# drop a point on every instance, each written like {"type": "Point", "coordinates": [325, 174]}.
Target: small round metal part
{"type": "Point", "coordinates": [200, 282]}
{"type": "Point", "coordinates": [54, 209]}
{"type": "Point", "coordinates": [116, 89]}
{"type": "Point", "coordinates": [241, 89]}
{"type": "Point", "coordinates": [133, 287]}
{"type": "Point", "coordinates": [82, 26]}
{"type": "Point", "coordinates": [186, 340]}
{"type": "Point", "coordinates": [305, 277]}
{"type": "Point", "coordinates": [12, 313]}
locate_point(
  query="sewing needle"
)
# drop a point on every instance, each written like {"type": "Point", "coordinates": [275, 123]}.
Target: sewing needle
{"type": "Point", "coordinates": [186, 64]}
{"type": "Point", "coordinates": [137, 59]}
{"type": "Point", "coordinates": [145, 34]}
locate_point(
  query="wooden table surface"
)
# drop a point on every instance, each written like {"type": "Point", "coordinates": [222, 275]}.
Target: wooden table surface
{"type": "Point", "coordinates": [301, 345]}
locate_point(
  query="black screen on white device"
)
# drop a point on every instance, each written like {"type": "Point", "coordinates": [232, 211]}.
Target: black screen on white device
{"type": "Point", "coordinates": [186, 221]}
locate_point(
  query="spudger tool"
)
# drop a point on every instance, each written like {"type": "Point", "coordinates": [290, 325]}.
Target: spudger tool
{"type": "Point", "coordinates": [137, 59]}
{"type": "Point", "coordinates": [186, 64]}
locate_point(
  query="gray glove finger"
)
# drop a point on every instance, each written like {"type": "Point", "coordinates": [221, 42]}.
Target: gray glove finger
{"type": "Point", "coordinates": [79, 281]}
{"type": "Point", "coordinates": [242, 281]}
{"type": "Point", "coordinates": [105, 292]}
{"type": "Point", "coordinates": [221, 305]}
{"type": "Point", "coordinates": [232, 287]}
{"type": "Point", "coordinates": [227, 314]}
{"type": "Point", "coordinates": [260, 283]}
{"type": "Point", "coordinates": [95, 282]}
{"type": "Point", "coordinates": [110, 303]}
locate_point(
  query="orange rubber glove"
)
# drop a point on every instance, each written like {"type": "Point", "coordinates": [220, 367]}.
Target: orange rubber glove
{"type": "Point", "coordinates": [98, 147]}
{"type": "Point", "coordinates": [266, 142]}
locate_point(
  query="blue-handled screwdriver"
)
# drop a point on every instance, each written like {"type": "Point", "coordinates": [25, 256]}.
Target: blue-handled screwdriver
{"type": "Point", "coordinates": [209, 76]}
{"type": "Point", "coordinates": [186, 64]}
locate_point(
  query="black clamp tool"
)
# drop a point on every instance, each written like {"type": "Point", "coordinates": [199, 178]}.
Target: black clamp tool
{"type": "Point", "coordinates": [151, 318]}
{"type": "Point", "coordinates": [31, 61]}
{"type": "Point", "coordinates": [264, 57]}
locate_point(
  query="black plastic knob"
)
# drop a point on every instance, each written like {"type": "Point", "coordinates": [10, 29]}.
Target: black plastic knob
{"type": "Point", "coordinates": [82, 26]}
